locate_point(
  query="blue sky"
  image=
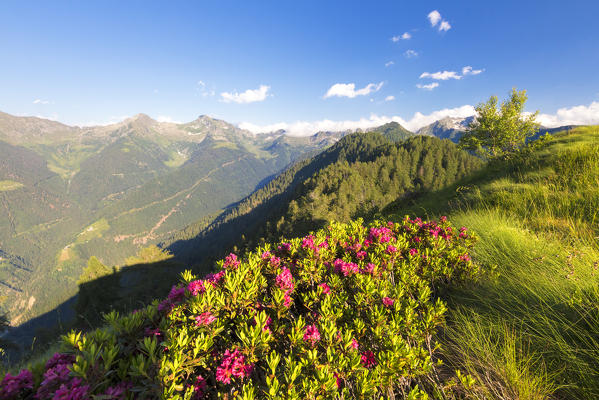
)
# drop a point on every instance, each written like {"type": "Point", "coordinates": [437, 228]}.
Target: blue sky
{"type": "Point", "coordinates": [262, 63]}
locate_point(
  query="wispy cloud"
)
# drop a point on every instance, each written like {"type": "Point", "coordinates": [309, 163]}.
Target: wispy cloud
{"type": "Point", "coordinates": [349, 90]}
{"type": "Point", "coordinates": [445, 75]}
{"type": "Point", "coordinates": [249, 96]}
{"type": "Point", "coordinates": [389, 63]}
{"type": "Point", "coordinates": [304, 128]}
{"type": "Point", "coordinates": [441, 75]}
{"type": "Point", "coordinates": [40, 101]}
{"type": "Point", "coordinates": [203, 89]}
{"type": "Point", "coordinates": [430, 86]}
{"type": "Point", "coordinates": [404, 36]}
{"type": "Point", "coordinates": [389, 98]}
{"type": "Point", "coordinates": [467, 70]}
{"type": "Point", "coordinates": [434, 17]}
{"type": "Point", "coordinates": [410, 53]}
{"type": "Point", "coordinates": [577, 115]}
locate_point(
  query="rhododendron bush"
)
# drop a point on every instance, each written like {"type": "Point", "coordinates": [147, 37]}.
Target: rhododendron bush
{"type": "Point", "coordinates": [346, 312]}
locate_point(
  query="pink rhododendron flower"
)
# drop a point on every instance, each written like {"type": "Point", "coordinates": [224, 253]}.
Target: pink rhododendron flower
{"type": "Point", "coordinates": [176, 294]}
{"type": "Point", "coordinates": [266, 255]}
{"type": "Point", "coordinates": [196, 287]}
{"type": "Point", "coordinates": [391, 249]}
{"type": "Point", "coordinates": [287, 300]}
{"type": "Point", "coordinates": [74, 391]}
{"type": "Point", "coordinates": [13, 386]}
{"type": "Point", "coordinates": [233, 365]}
{"type": "Point", "coordinates": [369, 268]}
{"type": "Point", "coordinates": [231, 262]}
{"type": "Point", "coordinates": [308, 242]}
{"type": "Point", "coordinates": [465, 257]}
{"type": "Point", "coordinates": [388, 301]}
{"type": "Point", "coordinates": [199, 387]}
{"type": "Point", "coordinates": [346, 268]}
{"type": "Point", "coordinates": [284, 247]}
{"type": "Point", "coordinates": [275, 261]}
{"type": "Point", "coordinates": [215, 279]}
{"type": "Point", "coordinates": [368, 359]}
{"type": "Point", "coordinates": [413, 252]}
{"type": "Point", "coordinates": [204, 319]}
{"type": "Point", "coordinates": [153, 332]}
{"type": "Point", "coordinates": [285, 279]}
{"type": "Point", "coordinates": [360, 255]}
{"type": "Point", "coordinates": [354, 344]}
{"type": "Point", "coordinates": [311, 335]}
{"type": "Point", "coordinates": [325, 288]}
{"type": "Point", "coordinates": [118, 392]}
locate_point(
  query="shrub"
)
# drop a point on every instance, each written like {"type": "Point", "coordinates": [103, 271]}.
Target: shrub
{"type": "Point", "coordinates": [348, 311]}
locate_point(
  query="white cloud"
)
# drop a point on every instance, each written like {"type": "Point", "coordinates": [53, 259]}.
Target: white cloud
{"type": "Point", "coordinates": [349, 90]}
{"type": "Point", "coordinates": [410, 53]}
{"type": "Point", "coordinates": [434, 17]}
{"type": "Point", "coordinates": [430, 86]}
{"type": "Point", "coordinates": [404, 36]}
{"type": "Point", "coordinates": [467, 70]}
{"type": "Point", "coordinates": [389, 63]}
{"type": "Point", "coordinates": [445, 26]}
{"type": "Point", "coordinates": [441, 75]}
{"type": "Point", "coordinates": [305, 128]}
{"type": "Point", "coordinates": [249, 96]}
{"type": "Point", "coordinates": [577, 115]}
{"type": "Point", "coordinates": [389, 98]}
{"type": "Point", "coordinates": [40, 101]}
{"type": "Point", "coordinates": [166, 118]}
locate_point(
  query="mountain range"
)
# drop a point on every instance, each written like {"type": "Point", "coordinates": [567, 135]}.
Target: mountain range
{"type": "Point", "coordinates": [68, 193]}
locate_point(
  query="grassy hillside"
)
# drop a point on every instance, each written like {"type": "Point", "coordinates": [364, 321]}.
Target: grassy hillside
{"type": "Point", "coordinates": [531, 329]}
{"type": "Point", "coordinates": [526, 328]}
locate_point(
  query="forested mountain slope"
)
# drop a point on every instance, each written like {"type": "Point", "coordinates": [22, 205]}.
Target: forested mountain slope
{"type": "Point", "coordinates": [69, 193]}
{"type": "Point", "coordinates": [357, 177]}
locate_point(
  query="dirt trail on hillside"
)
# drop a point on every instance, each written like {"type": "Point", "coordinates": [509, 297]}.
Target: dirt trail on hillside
{"type": "Point", "coordinates": [150, 234]}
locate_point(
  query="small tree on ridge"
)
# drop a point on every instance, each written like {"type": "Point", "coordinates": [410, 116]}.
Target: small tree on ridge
{"type": "Point", "coordinates": [500, 132]}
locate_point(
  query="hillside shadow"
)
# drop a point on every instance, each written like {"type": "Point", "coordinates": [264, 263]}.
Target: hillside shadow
{"type": "Point", "coordinates": [124, 290]}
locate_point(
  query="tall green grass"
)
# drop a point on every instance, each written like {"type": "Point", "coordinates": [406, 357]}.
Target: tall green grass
{"type": "Point", "coordinates": [530, 328]}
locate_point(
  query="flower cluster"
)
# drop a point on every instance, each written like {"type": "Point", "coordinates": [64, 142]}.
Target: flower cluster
{"type": "Point", "coordinates": [335, 314]}
{"type": "Point", "coordinates": [12, 386]}
{"type": "Point", "coordinates": [233, 365]}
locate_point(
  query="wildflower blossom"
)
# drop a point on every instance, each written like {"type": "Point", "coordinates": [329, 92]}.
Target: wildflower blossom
{"type": "Point", "coordinates": [199, 387]}
{"type": "Point", "coordinates": [73, 391]}
{"type": "Point", "coordinates": [233, 365]}
{"type": "Point", "coordinates": [231, 262]}
{"type": "Point", "coordinates": [12, 386]}
{"type": "Point", "coordinates": [354, 344]}
{"type": "Point", "coordinates": [176, 294]}
{"type": "Point", "coordinates": [204, 319]}
{"type": "Point", "coordinates": [388, 301]}
{"type": "Point", "coordinates": [287, 300]}
{"type": "Point", "coordinates": [391, 249]}
{"type": "Point", "coordinates": [325, 288]}
{"type": "Point", "coordinates": [413, 252]}
{"type": "Point", "coordinates": [285, 279]}
{"type": "Point", "coordinates": [196, 287]}
{"type": "Point", "coordinates": [368, 359]}
{"type": "Point", "coordinates": [360, 255]}
{"type": "Point", "coordinates": [118, 392]}
{"type": "Point", "coordinates": [215, 279]}
{"type": "Point", "coordinates": [311, 335]}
